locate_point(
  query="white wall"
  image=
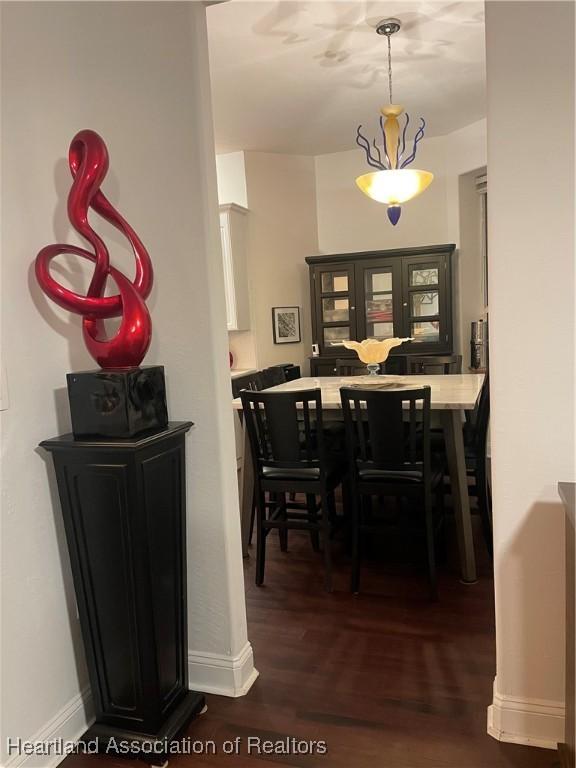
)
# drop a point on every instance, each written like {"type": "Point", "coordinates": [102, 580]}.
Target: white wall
{"type": "Point", "coordinates": [466, 152]}
{"type": "Point", "coordinates": [282, 231]}
{"type": "Point", "coordinates": [137, 74]}
{"type": "Point", "coordinates": [470, 261]}
{"type": "Point", "coordinates": [280, 193]}
{"type": "Point", "coordinates": [531, 283]}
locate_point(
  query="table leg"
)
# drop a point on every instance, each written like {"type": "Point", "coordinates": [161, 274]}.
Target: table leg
{"type": "Point", "coordinates": [454, 439]}
{"type": "Point", "coordinates": [246, 489]}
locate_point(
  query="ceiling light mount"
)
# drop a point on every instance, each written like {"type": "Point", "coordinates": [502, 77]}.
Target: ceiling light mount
{"type": "Point", "coordinates": [388, 27]}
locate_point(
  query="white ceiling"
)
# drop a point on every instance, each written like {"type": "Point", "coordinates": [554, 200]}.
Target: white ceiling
{"type": "Point", "coordinates": [298, 77]}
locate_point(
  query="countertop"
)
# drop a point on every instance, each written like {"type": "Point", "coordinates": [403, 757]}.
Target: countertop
{"type": "Point", "coordinates": [567, 494]}
{"type": "Point", "coordinates": [235, 373]}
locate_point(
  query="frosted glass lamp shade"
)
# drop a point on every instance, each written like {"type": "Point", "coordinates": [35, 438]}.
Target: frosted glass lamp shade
{"type": "Point", "coordinates": [395, 186]}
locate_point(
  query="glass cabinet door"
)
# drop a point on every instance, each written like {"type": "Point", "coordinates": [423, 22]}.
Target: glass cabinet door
{"type": "Point", "coordinates": [335, 309]}
{"type": "Point", "coordinates": [380, 291]}
{"type": "Point", "coordinates": [424, 303]}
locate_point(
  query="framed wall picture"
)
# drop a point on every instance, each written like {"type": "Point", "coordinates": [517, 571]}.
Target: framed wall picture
{"type": "Point", "coordinates": [286, 325]}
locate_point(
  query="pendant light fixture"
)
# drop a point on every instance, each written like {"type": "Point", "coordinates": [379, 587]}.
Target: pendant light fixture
{"type": "Point", "coordinates": [393, 183]}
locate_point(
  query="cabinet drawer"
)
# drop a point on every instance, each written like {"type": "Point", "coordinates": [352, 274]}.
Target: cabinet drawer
{"type": "Point", "coordinates": [320, 367]}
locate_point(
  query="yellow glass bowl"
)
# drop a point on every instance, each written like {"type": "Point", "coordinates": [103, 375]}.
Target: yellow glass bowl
{"type": "Point", "coordinates": [395, 186]}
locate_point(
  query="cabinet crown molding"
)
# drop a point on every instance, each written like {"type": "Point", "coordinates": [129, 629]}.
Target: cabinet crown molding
{"type": "Point", "coordinates": [225, 207]}
{"type": "Point", "coordinates": [423, 250]}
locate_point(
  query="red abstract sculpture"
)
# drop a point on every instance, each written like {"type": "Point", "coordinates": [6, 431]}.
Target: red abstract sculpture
{"type": "Point", "coordinates": [88, 160]}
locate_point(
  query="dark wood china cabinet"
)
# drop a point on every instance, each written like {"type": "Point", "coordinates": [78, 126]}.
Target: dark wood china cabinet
{"type": "Point", "coordinates": [377, 295]}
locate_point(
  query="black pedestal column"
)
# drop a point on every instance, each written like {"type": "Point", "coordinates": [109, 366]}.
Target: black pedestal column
{"type": "Point", "coordinates": [123, 502]}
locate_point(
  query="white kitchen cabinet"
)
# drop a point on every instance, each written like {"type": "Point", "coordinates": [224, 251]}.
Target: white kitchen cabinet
{"type": "Point", "coordinates": [233, 225]}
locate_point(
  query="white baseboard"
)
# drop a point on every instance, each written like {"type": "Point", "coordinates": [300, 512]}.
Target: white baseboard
{"type": "Point", "coordinates": [221, 674]}
{"type": "Point", "coordinates": [209, 673]}
{"type": "Point", "coordinates": [66, 726]}
{"type": "Point", "coordinates": [533, 722]}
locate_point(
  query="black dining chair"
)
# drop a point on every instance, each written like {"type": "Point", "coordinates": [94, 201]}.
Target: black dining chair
{"type": "Point", "coordinates": [271, 377]}
{"type": "Point", "coordinates": [291, 371]}
{"type": "Point", "coordinates": [388, 439]}
{"type": "Point", "coordinates": [254, 383]}
{"type": "Point", "coordinates": [289, 455]}
{"type": "Point", "coordinates": [476, 441]}
{"type": "Point", "coordinates": [251, 381]}
{"type": "Point", "coordinates": [434, 364]}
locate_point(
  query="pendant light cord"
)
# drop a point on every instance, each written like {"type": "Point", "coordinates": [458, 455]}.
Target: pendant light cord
{"type": "Point", "coordinates": [389, 67]}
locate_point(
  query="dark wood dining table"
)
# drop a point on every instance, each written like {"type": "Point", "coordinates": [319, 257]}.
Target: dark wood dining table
{"type": "Point", "coordinates": [451, 396]}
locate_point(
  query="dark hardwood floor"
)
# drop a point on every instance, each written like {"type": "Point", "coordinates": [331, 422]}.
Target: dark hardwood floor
{"type": "Point", "coordinates": [387, 679]}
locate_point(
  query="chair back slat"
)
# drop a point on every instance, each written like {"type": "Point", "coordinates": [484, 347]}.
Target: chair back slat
{"type": "Point", "coordinates": [388, 429]}
{"type": "Point", "coordinates": [434, 364]}
{"type": "Point", "coordinates": [359, 430]}
{"type": "Point", "coordinates": [282, 430]}
{"type": "Point", "coordinates": [385, 430]}
{"type": "Point", "coordinates": [412, 432]}
{"type": "Point", "coordinates": [307, 430]}
{"type": "Point", "coordinates": [262, 432]}
{"type": "Point", "coordinates": [282, 425]}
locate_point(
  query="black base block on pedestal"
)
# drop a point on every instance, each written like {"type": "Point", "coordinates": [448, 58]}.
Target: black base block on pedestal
{"type": "Point", "coordinates": [153, 748]}
{"type": "Point", "coordinates": [122, 402]}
